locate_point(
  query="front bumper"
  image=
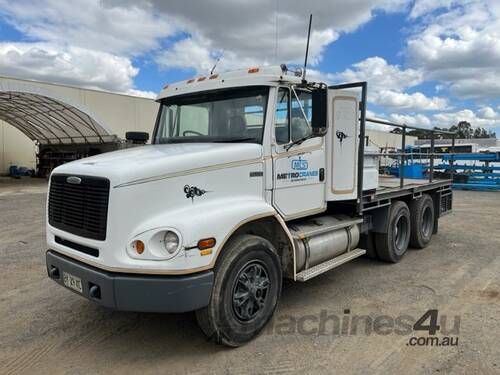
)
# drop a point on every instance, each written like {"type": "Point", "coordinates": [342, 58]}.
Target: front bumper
{"type": "Point", "coordinates": [133, 292]}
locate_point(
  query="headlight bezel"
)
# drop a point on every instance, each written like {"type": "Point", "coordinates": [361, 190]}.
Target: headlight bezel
{"type": "Point", "coordinates": [155, 248]}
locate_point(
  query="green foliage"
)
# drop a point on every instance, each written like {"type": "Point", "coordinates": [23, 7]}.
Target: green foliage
{"type": "Point", "coordinates": [463, 129]}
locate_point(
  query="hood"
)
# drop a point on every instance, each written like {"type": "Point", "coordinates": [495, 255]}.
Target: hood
{"type": "Point", "coordinates": [152, 162]}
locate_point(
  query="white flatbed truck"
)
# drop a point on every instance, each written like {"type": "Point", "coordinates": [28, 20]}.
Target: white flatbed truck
{"type": "Point", "coordinates": [252, 176]}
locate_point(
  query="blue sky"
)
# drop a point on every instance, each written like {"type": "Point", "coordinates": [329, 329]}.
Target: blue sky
{"type": "Point", "coordinates": [427, 62]}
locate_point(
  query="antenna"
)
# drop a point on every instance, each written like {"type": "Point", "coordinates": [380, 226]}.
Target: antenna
{"type": "Point", "coordinates": [276, 15]}
{"type": "Point", "coordinates": [307, 48]}
{"type": "Point", "coordinates": [216, 62]}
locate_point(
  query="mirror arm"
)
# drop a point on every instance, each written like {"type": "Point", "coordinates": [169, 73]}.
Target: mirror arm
{"type": "Point", "coordinates": [300, 106]}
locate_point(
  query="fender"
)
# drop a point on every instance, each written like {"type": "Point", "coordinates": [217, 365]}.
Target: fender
{"type": "Point", "coordinates": [218, 218]}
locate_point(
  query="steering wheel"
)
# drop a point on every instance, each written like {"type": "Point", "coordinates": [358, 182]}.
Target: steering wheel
{"type": "Point", "coordinates": [185, 132]}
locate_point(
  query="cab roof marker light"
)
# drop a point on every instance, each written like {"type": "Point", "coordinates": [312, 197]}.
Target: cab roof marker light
{"type": "Point", "coordinates": [164, 87]}
{"type": "Point", "coordinates": [201, 79]}
{"type": "Point", "coordinates": [214, 76]}
{"type": "Point", "coordinates": [253, 70]}
{"type": "Point", "coordinates": [190, 80]}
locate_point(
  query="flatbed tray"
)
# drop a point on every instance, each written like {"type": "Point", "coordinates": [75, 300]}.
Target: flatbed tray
{"type": "Point", "coordinates": [389, 187]}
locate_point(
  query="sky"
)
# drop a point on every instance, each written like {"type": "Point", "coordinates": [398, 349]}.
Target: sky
{"type": "Point", "coordinates": [427, 62]}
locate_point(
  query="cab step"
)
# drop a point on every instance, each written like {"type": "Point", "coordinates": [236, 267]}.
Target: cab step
{"type": "Point", "coordinates": [329, 264]}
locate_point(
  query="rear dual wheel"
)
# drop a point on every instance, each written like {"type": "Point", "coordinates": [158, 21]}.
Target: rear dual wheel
{"type": "Point", "coordinates": [408, 226]}
{"type": "Point", "coordinates": [391, 246]}
{"type": "Point", "coordinates": [422, 219]}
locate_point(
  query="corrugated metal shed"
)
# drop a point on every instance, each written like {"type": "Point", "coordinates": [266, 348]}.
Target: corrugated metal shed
{"type": "Point", "coordinates": [46, 118]}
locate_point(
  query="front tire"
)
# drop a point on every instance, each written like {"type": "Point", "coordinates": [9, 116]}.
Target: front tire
{"type": "Point", "coordinates": [245, 294]}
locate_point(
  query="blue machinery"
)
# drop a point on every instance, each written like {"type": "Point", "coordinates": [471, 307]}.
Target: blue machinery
{"type": "Point", "coordinates": [413, 167]}
{"type": "Point", "coordinates": [470, 171]}
{"type": "Point", "coordinates": [466, 175]}
{"type": "Point", "coordinates": [474, 171]}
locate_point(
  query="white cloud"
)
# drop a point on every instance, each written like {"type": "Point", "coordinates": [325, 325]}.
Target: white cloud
{"type": "Point", "coordinates": [71, 65]}
{"type": "Point", "coordinates": [415, 101]}
{"type": "Point", "coordinates": [459, 46]}
{"type": "Point", "coordinates": [387, 84]}
{"type": "Point", "coordinates": [488, 113]}
{"type": "Point", "coordinates": [247, 32]}
{"type": "Point", "coordinates": [412, 120]}
{"type": "Point", "coordinates": [82, 43]}
{"type": "Point", "coordinates": [381, 75]}
{"type": "Point", "coordinates": [421, 7]}
{"type": "Point", "coordinates": [482, 118]}
{"type": "Point", "coordinates": [90, 24]}
{"type": "Point", "coordinates": [485, 117]}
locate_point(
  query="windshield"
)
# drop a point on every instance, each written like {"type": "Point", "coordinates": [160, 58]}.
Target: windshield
{"type": "Point", "coordinates": [228, 115]}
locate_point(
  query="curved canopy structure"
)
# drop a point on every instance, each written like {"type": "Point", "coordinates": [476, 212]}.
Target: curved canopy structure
{"type": "Point", "coordinates": [49, 119]}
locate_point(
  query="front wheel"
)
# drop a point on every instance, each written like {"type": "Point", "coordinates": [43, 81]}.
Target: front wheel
{"type": "Point", "coordinates": [246, 290]}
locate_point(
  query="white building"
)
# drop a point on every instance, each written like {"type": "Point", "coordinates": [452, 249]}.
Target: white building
{"type": "Point", "coordinates": [43, 112]}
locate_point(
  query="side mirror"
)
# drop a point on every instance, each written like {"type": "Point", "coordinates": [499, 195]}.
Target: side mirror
{"type": "Point", "coordinates": [319, 120]}
{"type": "Point", "coordinates": [139, 138]}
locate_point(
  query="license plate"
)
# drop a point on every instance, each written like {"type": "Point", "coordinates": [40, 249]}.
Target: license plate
{"type": "Point", "coordinates": [72, 282]}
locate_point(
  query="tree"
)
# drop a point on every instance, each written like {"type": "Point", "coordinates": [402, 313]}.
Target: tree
{"type": "Point", "coordinates": [483, 133]}
{"type": "Point", "coordinates": [463, 129]}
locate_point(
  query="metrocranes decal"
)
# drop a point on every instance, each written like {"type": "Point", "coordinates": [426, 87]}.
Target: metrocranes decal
{"type": "Point", "coordinates": [301, 172]}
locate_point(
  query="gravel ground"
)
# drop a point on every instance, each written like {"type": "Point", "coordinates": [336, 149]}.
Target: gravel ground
{"type": "Point", "coordinates": [47, 329]}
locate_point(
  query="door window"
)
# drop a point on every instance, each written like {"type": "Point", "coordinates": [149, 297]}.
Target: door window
{"type": "Point", "coordinates": [300, 125]}
{"type": "Point", "coordinates": [281, 123]}
{"type": "Point", "coordinates": [293, 117]}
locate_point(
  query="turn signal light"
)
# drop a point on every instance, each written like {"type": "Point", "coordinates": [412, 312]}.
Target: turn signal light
{"type": "Point", "coordinates": [139, 246]}
{"type": "Point", "coordinates": [206, 243]}
{"type": "Point", "coordinates": [205, 252]}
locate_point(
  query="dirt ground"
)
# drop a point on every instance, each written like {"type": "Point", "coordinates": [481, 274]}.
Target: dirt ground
{"type": "Point", "coordinates": [47, 329]}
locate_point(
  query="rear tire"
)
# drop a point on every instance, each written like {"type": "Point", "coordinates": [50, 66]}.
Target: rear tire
{"type": "Point", "coordinates": [245, 293]}
{"type": "Point", "coordinates": [392, 246]}
{"type": "Point", "coordinates": [422, 221]}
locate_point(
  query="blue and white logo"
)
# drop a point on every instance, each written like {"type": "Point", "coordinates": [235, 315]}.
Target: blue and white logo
{"type": "Point", "coordinates": [299, 164]}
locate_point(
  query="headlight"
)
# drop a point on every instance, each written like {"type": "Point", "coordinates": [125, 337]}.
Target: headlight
{"type": "Point", "coordinates": [171, 242]}
{"type": "Point", "coordinates": [156, 244]}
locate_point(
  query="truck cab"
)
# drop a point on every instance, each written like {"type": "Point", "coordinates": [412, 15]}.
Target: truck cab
{"type": "Point", "coordinates": [252, 176]}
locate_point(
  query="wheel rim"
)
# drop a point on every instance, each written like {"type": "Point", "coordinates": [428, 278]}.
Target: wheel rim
{"type": "Point", "coordinates": [401, 228]}
{"type": "Point", "coordinates": [427, 222]}
{"type": "Point", "coordinates": [250, 290]}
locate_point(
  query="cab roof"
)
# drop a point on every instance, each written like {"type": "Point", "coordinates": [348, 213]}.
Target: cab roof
{"type": "Point", "coordinates": [257, 76]}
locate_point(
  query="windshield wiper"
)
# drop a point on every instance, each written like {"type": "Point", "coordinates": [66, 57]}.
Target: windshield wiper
{"type": "Point", "coordinates": [235, 139]}
{"type": "Point", "coordinates": [205, 139]}
{"type": "Point", "coordinates": [299, 141]}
